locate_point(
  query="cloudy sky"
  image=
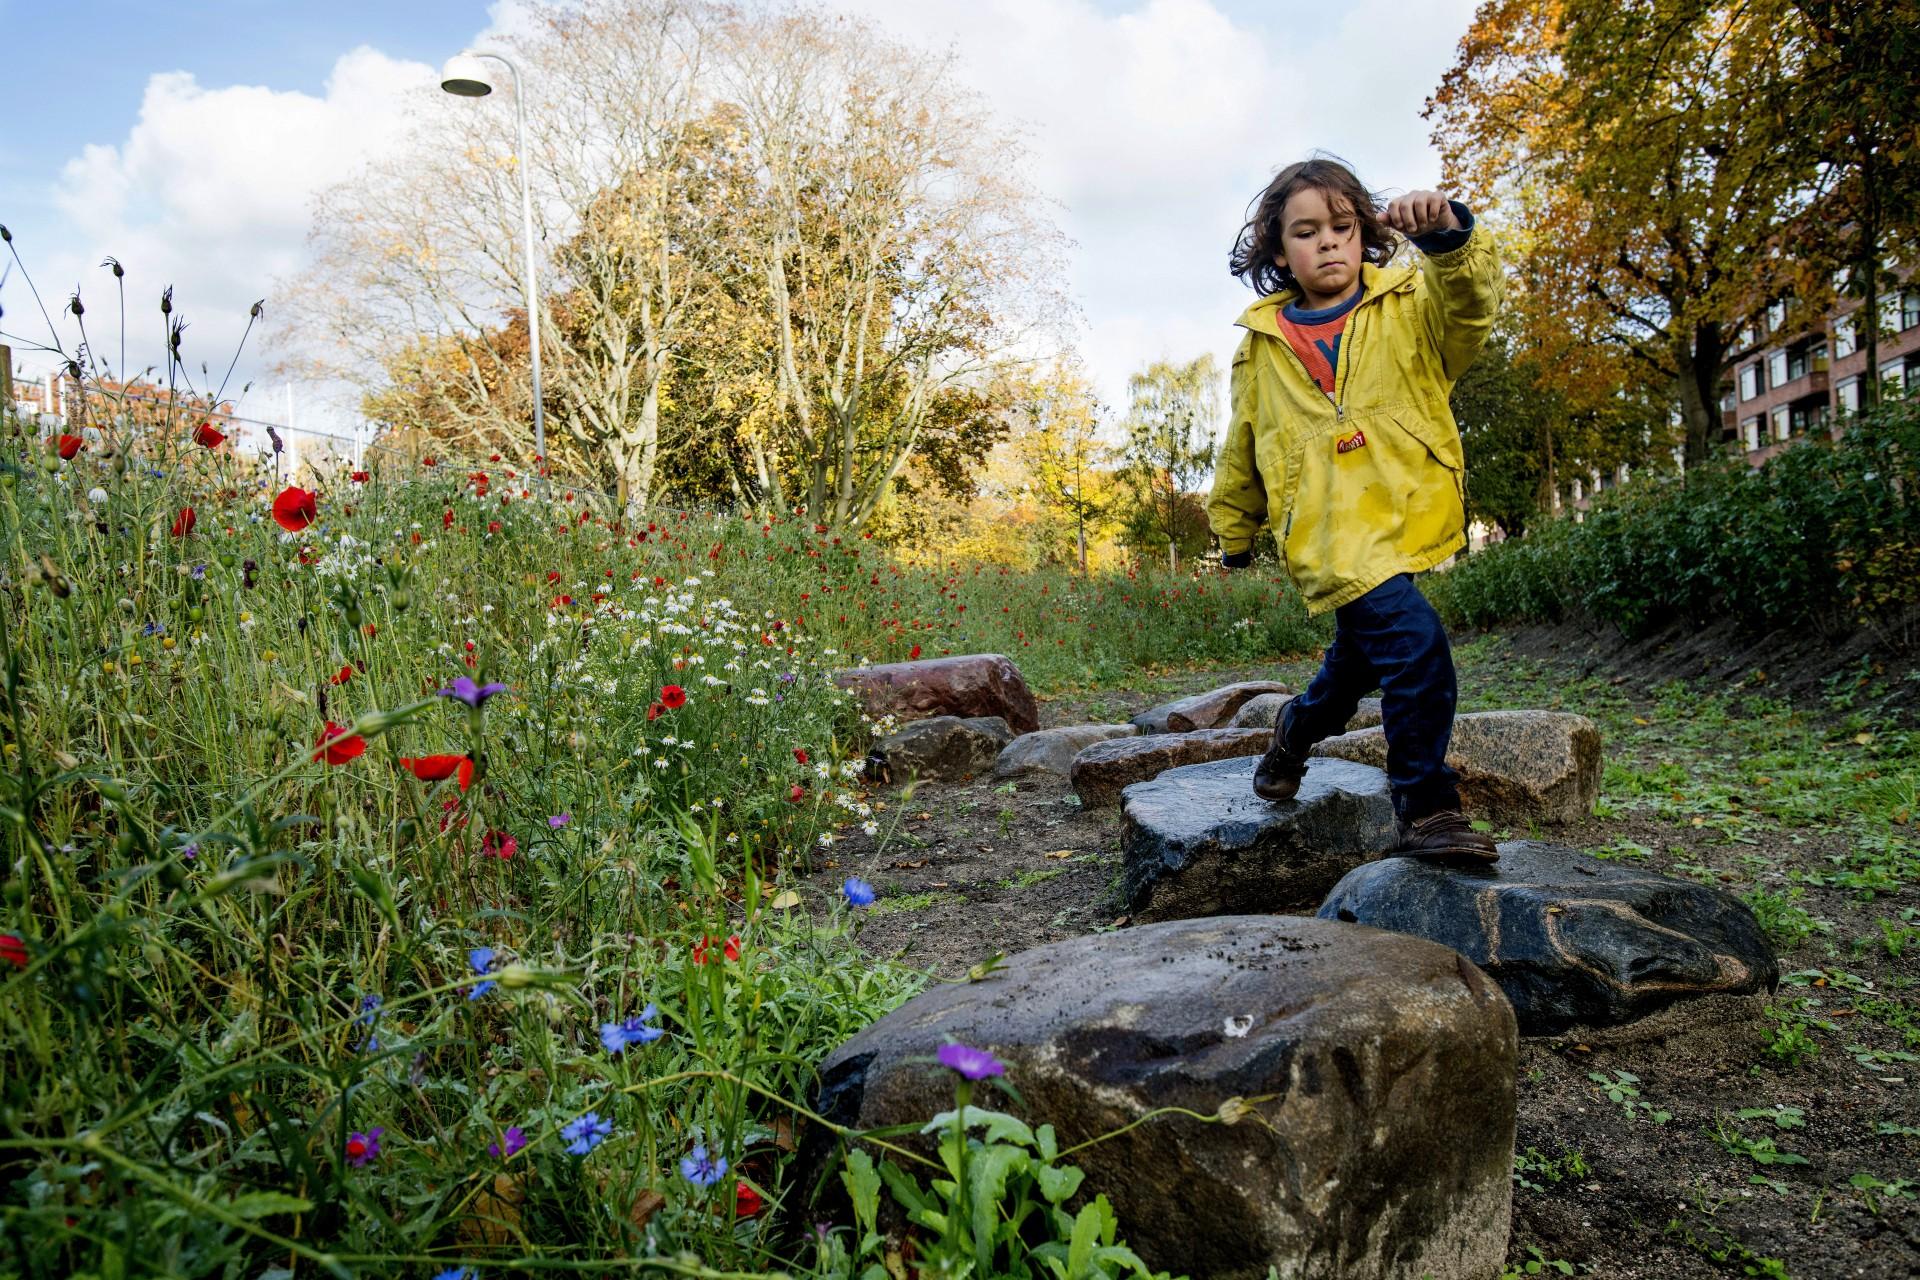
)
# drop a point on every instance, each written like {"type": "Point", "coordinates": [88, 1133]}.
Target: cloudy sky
{"type": "Point", "coordinates": [187, 140]}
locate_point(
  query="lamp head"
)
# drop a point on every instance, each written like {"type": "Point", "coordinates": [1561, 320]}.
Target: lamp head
{"type": "Point", "coordinates": [466, 76]}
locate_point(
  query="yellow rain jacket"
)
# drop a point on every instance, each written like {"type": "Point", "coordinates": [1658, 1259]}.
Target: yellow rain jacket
{"type": "Point", "coordinates": [1371, 482]}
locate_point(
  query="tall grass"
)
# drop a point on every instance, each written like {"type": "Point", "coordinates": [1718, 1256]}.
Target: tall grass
{"type": "Point", "coordinates": [310, 966]}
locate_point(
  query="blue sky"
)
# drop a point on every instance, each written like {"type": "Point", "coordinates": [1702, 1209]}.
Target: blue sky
{"type": "Point", "coordinates": [190, 138]}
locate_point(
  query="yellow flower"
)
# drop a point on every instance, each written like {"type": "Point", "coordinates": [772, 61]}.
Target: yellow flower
{"type": "Point", "coordinates": [246, 616]}
{"type": "Point", "coordinates": [166, 643]}
{"type": "Point", "coordinates": [108, 666]}
{"type": "Point", "coordinates": [133, 659]}
{"type": "Point", "coordinates": [268, 655]}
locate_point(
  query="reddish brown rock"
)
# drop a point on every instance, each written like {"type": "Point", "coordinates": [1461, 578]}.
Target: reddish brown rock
{"type": "Point", "coordinates": [1102, 771]}
{"type": "Point", "coordinates": [966, 685]}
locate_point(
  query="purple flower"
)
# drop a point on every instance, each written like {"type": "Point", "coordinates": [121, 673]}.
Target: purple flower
{"type": "Point", "coordinates": [969, 1062]}
{"type": "Point", "coordinates": [481, 958]}
{"type": "Point", "coordinates": [701, 1170]}
{"type": "Point", "coordinates": [559, 820]}
{"type": "Point", "coordinates": [616, 1036]}
{"type": "Point", "coordinates": [368, 1016]}
{"type": "Point", "coordinates": [858, 892]}
{"type": "Point", "coordinates": [513, 1140]}
{"type": "Point", "coordinates": [188, 852]}
{"type": "Point", "coordinates": [474, 695]}
{"type": "Point", "coordinates": [363, 1148]}
{"type": "Point", "coordinates": [586, 1133]}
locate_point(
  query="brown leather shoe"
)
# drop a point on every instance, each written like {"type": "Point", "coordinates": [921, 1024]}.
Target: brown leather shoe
{"type": "Point", "coordinates": [1446, 834]}
{"type": "Point", "coordinates": [1278, 775]}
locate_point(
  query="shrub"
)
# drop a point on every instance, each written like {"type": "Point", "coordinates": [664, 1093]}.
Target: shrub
{"type": "Point", "coordinates": [1825, 534]}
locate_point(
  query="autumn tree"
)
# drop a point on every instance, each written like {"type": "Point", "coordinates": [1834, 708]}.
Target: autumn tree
{"type": "Point", "coordinates": [1636, 149]}
{"type": "Point", "coordinates": [1057, 440]}
{"type": "Point", "coordinates": [1172, 415]}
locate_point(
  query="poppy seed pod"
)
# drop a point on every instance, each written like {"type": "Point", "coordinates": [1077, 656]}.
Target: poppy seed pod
{"type": "Point", "coordinates": [74, 306]}
{"type": "Point", "coordinates": [5, 234]}
{"type": "Point", "coordinates": [166, 301]}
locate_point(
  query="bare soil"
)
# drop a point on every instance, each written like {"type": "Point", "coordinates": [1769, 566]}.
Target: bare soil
{"type": "Point", "coordinates": [968, 870]}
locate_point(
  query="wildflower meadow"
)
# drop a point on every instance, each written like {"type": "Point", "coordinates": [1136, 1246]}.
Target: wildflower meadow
{"type": "Point", "coordinates": [400, 864]}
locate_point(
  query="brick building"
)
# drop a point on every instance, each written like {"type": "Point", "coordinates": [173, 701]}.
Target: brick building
{"type": "Point", "coordinates": [1797, 374]}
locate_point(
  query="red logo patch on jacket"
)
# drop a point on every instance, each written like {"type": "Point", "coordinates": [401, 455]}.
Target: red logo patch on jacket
{"type": "Point", "coordinates": [1357, 440]}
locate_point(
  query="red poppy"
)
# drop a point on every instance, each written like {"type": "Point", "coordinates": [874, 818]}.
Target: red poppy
{"type": "Point", "coordinates": [361, 477]}
{"type": "Point", "coordinates": [338, 752]}
{"type": "Point", "coordinates": [446, 519]}
{"type": "Point", "coordinates": [344, 674]}
{"type": "Point", "coordinates": [13, 949]}
{"type": "Point", "coordinates": [746, 1201]}
{"type": "Point", "coordinates": [499, 844]}
{"type": "Point", "coordinates": [70, 445]}
{"type": "Point", "coordinates": [914, 654]}
{"type": "Point", "coordinates": [673, 697]}
{"type": "Point", "coordinates": [731, 951]}
{"type": "Point", "coordinates": [800, 755]}
{"type": "Point", "coordinates": [184, 522]}
{"type": "Point", "coordinates": [796, 793]}
{"type": "Point", "coordinates": [295, 509]}
{"type": "Point", "coordinates": [655, 711]}
{"type": "Point", "coordinates": [427, 462]}
{"type": "Point", "coordinates": [206, 437]}
{"type": "Point", "coordinates": [439, 768]}
{"type": "Point", "coordinates": [493, 526]}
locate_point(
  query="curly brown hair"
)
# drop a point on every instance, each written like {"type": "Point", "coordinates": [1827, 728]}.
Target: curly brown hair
{"type": "Point", "coordinates": [1258, 258]}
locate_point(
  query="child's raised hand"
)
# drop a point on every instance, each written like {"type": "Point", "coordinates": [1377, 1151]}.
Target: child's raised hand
{"type": "Point", "coordinates": [1420, 213]}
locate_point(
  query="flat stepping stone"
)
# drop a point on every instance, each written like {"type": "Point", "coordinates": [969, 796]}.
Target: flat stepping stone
{"type": "Point", "coordinates": [1263, 712]}
{"type": "Point", "coordinates": [1051, 751]}
{"type": "Point", "coordinates": [1213, 709]}
{"type": "Point", "coordinates": [1199, 842]}
{"type": "Point", "coordinates": [944, 747]}
{"type": "Point", "coordinates": [1379, 1070]}
{"type": "Point", "coordinates": [965, 685]}
{"type": "Point", "coordinates": [1571, 939]}
{"type": "Point", "coordinates": [1105, 769]}
{"type": "Point", "coordinates": [1514, 766]}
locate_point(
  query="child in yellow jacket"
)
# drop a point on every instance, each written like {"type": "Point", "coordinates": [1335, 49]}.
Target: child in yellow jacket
{"type": "Point", "coordinates": [1341, 435]}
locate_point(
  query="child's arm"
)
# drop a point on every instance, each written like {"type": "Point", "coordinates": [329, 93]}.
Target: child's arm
{"type": "Point", "coordinates": [1461, 270]}
{"type": "Point", "coordinates": [1238, 502]}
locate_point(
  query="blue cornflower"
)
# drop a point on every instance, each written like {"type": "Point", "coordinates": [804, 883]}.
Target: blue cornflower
{"type": "Point", "coordinates": [474, 695]}
{"type": "Point", "coordinates": [457, 1273]}
{"type": "Point", "coordinates": [481, 958]}
{"type": "Point", "coordinates": [154, 629]}
{"type": "Point", "coordinates": [858, 892]}
{"type": "Point", "coordinates": [586, 1133]}
{"type": "Point", "coordinates": [616, 1036]}
{"type": "Point", "coordinates": [368, 1016]}
{"type": "Point", "coordinates": [701, 1170]}
{"type": "Point", "coordinates": [198, 573]}
{"type": "Point", "coordinates": [559, 820]}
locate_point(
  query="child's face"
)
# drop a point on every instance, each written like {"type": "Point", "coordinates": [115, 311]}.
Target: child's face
{"type": "Point", "coordinates": [1322, 244]}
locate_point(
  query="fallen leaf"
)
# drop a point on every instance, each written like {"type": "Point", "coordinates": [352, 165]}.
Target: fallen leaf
{"type": "Point", "coordinates": [904, 865]}
{"type": "Point", "coordinates": [784, 899]}
{"type": "Point", "coordinates": [783, 1133]}
{"type": "Point", "coordinates": [1061, 853]}
{"type": "Point", "coordinates": [645, 1205]}
{"type": "Point", "coordinates": [1642, 720]}
{"type": "Point", "coordinates": [1863, 738]}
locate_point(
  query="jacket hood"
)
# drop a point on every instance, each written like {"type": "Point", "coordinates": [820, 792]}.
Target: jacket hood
{"type": "Point", "coordinates": [1264, 315]}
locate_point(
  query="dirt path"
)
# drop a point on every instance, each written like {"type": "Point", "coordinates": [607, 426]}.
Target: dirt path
{"type": "Point", "coordinates": [965, 871]}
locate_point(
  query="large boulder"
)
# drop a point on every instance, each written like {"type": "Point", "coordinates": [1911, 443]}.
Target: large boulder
{"type": "Point", "coordinates": [1103, 770]}
{"type": "Point", "coordinates": [1052, 750]}
{"type": "Point", "coordinates": [1571, 939]}
{"type": "Point", "coordinates": [1213, 709]}
{"type": "Point", "coordinates": [1367, 716]}
{"type": "Point", "coordinates": [965, 685]}
{"type": "Point", "coordinates": [1514, 766]}
{"type": "Point", "coordinates": [1199, 842]}
{"type": "Point", "coordinates": [944, 747]}
{"type": "Point", "coordinates": [1370, 1078]}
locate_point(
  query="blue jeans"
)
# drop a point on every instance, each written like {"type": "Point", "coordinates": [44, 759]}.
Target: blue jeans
{"type": "Point", "coordinates": [1389, 639]}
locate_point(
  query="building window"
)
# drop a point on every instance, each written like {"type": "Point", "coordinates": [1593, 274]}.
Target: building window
{"type": "Point", "coordinates": [1750, 433]}
{"type": "Point", "coordinates": [1748, 336]}
{"type": "Point", "coordinates": [1777, 375]}
{"type": "Point", "coordinates": [1749, 381]}
{"type": "Point", "coordinates": [1847, 396]}
{"type": "Point", "coordinates": [1579, 490]}
{"type": "Point", "coordinates": [1909, 308]}
{"type": "Point", "coordinates": [1780, 422]}
{"type": "Point", "coordinates": [1777, 315]}
{"type": "Point", "coordinates": [1890, 375]}
{"type": "Point", "coordinates": [1843, 340]}
{"type": "Point", "coordinates": [1806, 416]}
{"type": "Point", "coordinates": [1889, 313]}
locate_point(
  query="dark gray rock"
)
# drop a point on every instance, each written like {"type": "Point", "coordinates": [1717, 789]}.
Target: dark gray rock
{"type": "Point", "coordinates": [966, 685]}
{"type": "Point", "coordinates": [1514, 766]}
{"type": "Point", "coordinates": [1051, 751]}
{"type": "Point", "coordinates": [1198, 842]}
{"type": "Point", "coordinates": [1105, 769]}
{"type": "Point", "coordinates": [1372, 1077]}
{"type": "Point", "coordinates": [944, 747]}
{"type": "Point", "coordinates": [1571, 939]}
{"type": "Point", "coordinates": [1213, 709]}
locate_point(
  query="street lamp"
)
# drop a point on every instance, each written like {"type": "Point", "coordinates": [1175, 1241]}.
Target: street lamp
{"type": "Point", "coordinates": [466, 76]}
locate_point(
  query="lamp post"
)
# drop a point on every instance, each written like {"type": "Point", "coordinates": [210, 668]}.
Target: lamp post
{"type": "Point", "coordinates": [466, 76]}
